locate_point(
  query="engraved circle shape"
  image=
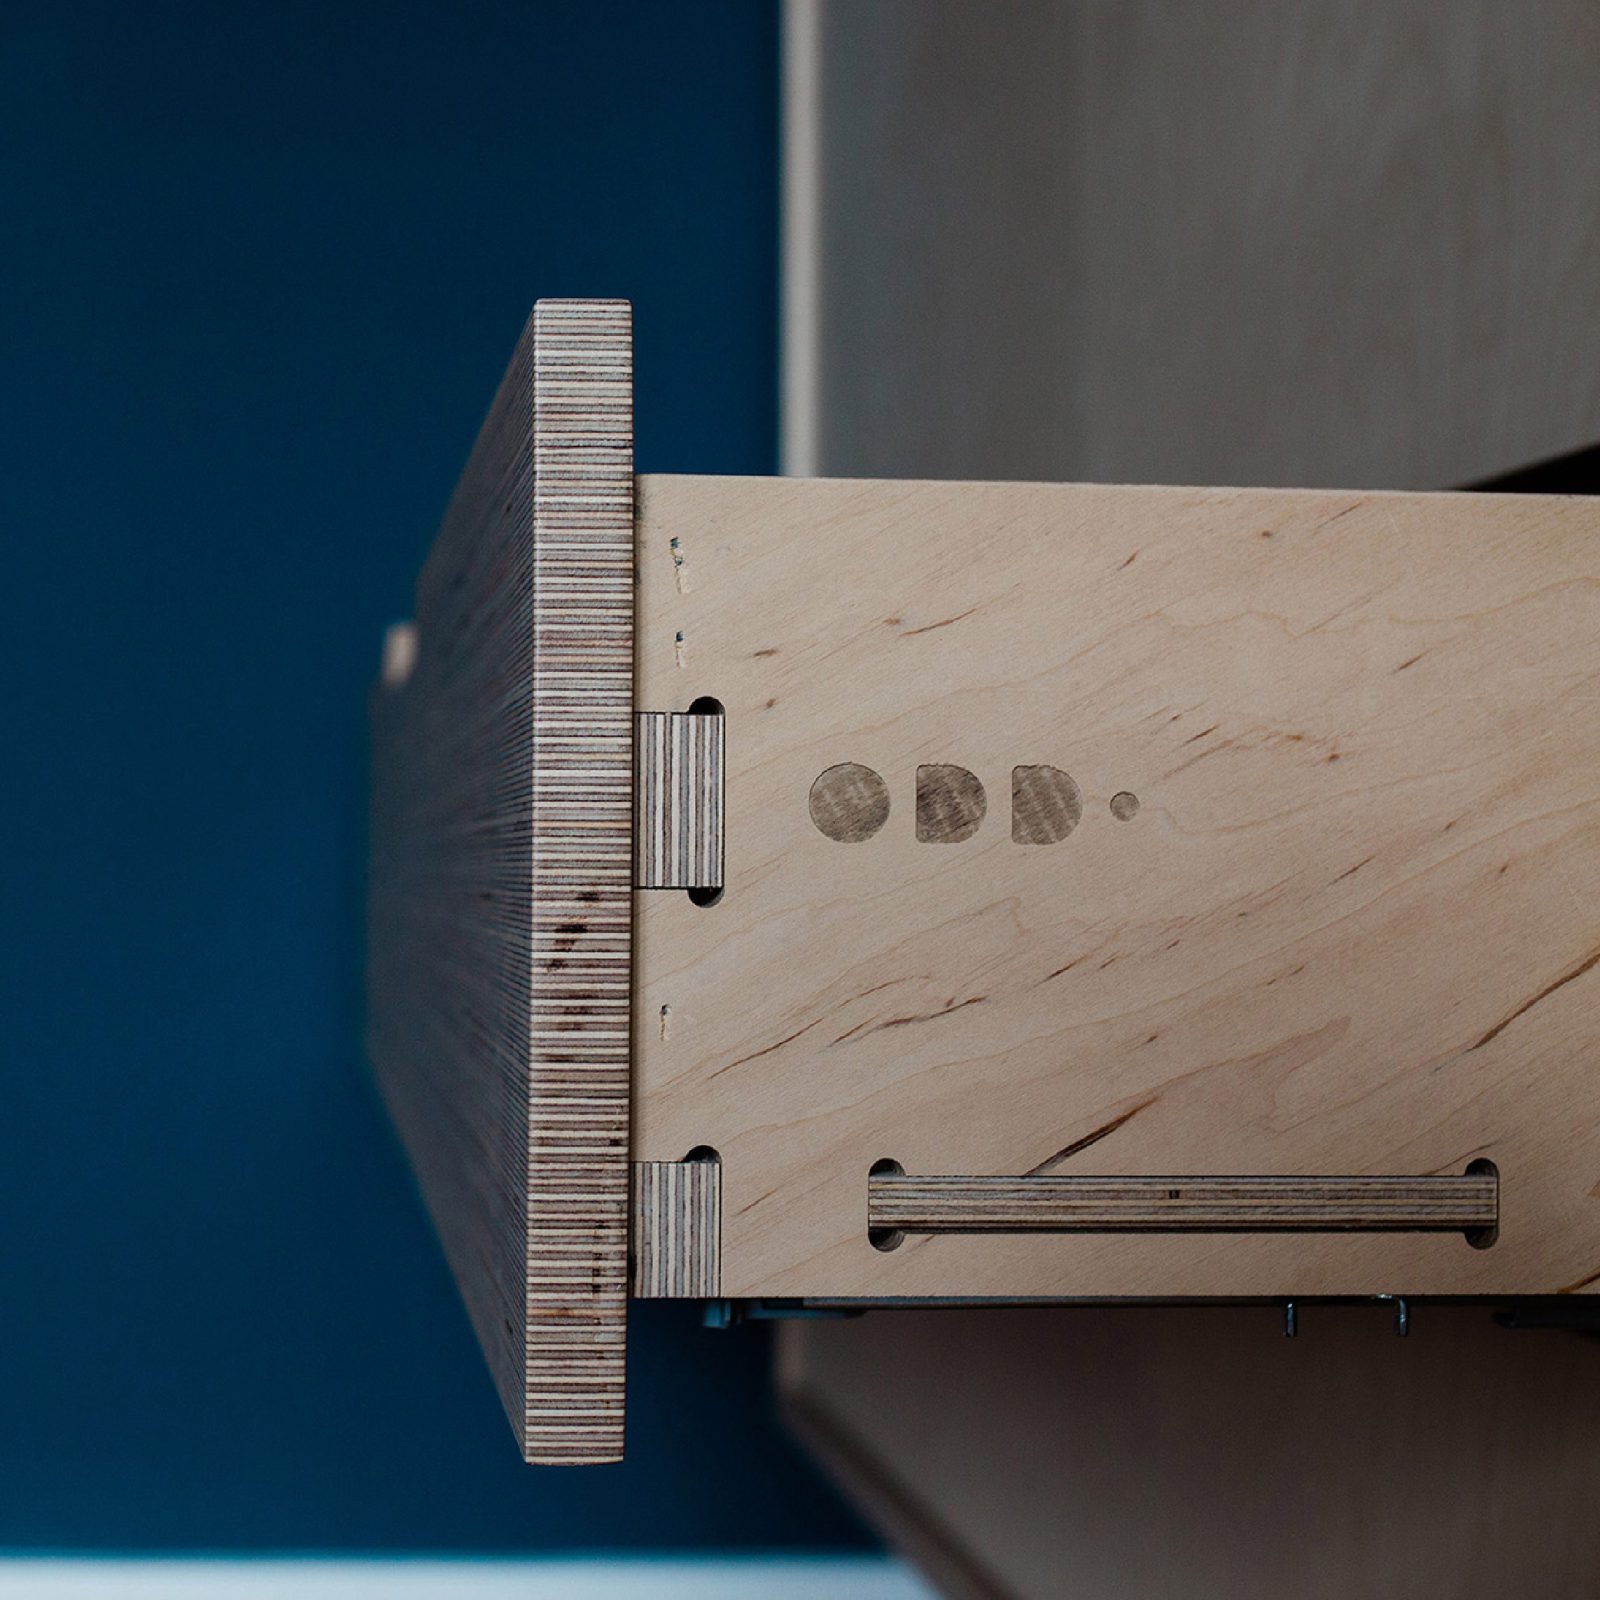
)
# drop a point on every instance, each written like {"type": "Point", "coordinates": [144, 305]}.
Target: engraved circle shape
{"type": "Point", "coordinates": [1046, 805]}
{"type": "Point", "coordinates": [849, 803]}
{"type": "Point", "coordinates": [1124, 806]}
{"type": "Point", "coordinates": [951, 804]}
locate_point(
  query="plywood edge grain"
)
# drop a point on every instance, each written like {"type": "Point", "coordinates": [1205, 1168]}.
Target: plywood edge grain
{"type": "Point", "coordinates": [500, 918]}
{"type": "Point", "coordinates": [677, 1230]}
{"type": "Point", "coordinates": [582, 951]}
{"type": "Point", "coordinates": [678, 822]}
{"type": "Point", "coordinates": [904, 1203]}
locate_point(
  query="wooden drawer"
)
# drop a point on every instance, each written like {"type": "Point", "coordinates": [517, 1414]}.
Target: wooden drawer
{"type": "Point", "coordinates": [1197, 883]}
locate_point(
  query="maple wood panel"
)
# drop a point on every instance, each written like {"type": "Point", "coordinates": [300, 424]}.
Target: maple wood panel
{"type": "Point", "coordinates": [1327, 906]}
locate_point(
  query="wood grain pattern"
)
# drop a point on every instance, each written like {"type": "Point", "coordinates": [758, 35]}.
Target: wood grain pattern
{"type": "Point", "coordinates": [677, 1230]}
{"type": "Point", "coordinates": [1349, 930]}
{"type": "Point", "coordinates": [677, 840]}
{"type": "Point", "coordinates": [905, 1203]}
{"type": "Point", "coordinates": [501, 881]}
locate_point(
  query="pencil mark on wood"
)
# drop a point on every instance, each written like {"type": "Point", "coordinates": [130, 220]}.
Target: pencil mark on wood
{"type": "Point", "coordinates": [1338, 516]}
{"type": "Point", "coordinates": [1124, 806]}
{"type": "Point", "coordinates": [950, 804]}
{"type": "Point", "coordinates": [750, 1205]}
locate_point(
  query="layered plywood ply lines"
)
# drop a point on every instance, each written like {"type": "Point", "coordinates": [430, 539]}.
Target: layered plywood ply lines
{"type": "Point", "coordinates": [502, 884]}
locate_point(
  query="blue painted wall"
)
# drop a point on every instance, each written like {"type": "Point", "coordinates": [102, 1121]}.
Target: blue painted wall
{"type": "Point", "coordinates": [260, 267]}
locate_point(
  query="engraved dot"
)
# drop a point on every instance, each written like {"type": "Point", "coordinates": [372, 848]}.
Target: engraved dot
{"type": "Point", "coordinates": [849, 803]}
{"type": "Point", "coordinates": [1124, 806]}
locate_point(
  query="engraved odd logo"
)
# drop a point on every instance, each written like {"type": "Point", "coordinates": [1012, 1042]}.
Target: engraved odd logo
{"type": "Point", "coordinates": [849, 803]}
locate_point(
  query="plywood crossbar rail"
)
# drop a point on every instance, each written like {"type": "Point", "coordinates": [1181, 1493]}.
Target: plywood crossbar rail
{"type": "Point", "coordinates": [900, 1203]}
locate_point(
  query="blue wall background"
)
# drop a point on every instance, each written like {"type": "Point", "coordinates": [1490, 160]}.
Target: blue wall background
{"type": "Point", "coordinates": [260, 267]}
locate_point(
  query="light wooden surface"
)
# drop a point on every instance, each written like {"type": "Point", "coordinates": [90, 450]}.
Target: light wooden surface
{"type": "Point", "coordinates": [1332, 242]}
{"type": "Point", "coordinates": [1341, 922]}
{"type": "Point", "coordinates": [501, 881]}
{"type": "Point", "coordinates": [1131, 1453]}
